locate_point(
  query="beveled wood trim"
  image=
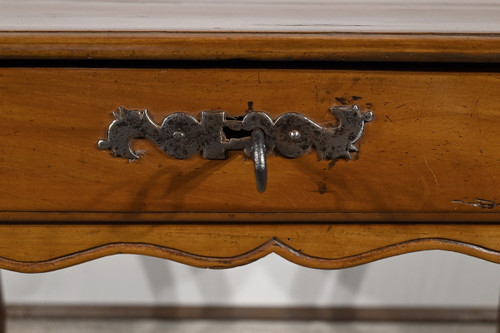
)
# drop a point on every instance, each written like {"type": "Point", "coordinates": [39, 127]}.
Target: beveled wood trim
{"type": "Point", "coordinates": [38, 248]}
{"type": "Point", "coordinates": [274, 245]}
{"type": "Point", "coordinates": [384, 47]}
{"type": "Point", "coordinates": [399, 314]}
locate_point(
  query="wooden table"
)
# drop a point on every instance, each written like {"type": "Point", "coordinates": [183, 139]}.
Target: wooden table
{"type": "Point", "coordinates": [426, 175]}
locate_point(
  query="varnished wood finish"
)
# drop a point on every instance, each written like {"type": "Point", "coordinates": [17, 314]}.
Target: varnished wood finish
{"type": "Point", "coordinates": [385, 47]}
{"type": "Point", "coordinates": [429, 153]}
{"type": "Point", "coordinates": [222, 246]}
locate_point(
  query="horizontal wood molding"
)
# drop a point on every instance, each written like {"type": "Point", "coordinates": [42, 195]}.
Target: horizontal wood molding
{"type": "Point", "coordinates": [384, 47]}
{"type": "Point", "coordinates": [334, 246]}
{"type": "Point", "coordinates": [417, 314]}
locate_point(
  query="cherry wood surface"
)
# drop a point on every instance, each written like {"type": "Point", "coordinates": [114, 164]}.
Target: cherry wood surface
{"type": "Point", "coordinates": [430, 154]}
{"type": "Point", "coordinates": [426, 176]}
{"type": "Point", "coordinates": [39, 248]}
{"type": "Point", "coordinates": [274, 46]}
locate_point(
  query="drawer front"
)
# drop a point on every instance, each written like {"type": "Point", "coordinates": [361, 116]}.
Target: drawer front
{"type": "Point", "coordinates": [430, 153]}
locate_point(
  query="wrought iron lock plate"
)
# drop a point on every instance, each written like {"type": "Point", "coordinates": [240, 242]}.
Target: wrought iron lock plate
{"type": "Point", "coordinates": [291, 135]}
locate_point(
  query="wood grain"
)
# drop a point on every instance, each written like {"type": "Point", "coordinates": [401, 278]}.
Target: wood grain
{"type": "Point", "coordinates": [384, 47]}
{"type": "Point", "coordinates": [34, 248]}
{"type": "Point", "coordinates": [429, 153]}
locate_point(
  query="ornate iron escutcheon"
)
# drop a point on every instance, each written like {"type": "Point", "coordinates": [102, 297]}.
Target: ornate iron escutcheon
{"type": "Point", "coordinates": [291, 135]}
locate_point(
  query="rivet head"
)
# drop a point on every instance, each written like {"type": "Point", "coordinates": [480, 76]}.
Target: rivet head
{"type": "Point", "coordinates": [368, 116]}
{"type": "Point", "coordinates": [178, 136]}
{"type": "Point", "coordinates": [294, 135]}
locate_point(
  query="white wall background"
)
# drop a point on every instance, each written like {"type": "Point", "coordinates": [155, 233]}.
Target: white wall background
{"type": "Point", "coordinates": [433, 278]}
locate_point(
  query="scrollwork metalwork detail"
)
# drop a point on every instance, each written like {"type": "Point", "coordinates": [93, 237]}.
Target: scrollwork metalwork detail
{"type": "Point", "coordinates": [182, 135]}
{"type": "Point", "coordinates": [292, 134]}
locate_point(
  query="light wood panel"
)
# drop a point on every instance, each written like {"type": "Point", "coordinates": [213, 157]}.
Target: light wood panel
{"type": "Point", "coordinates": [430, 152]}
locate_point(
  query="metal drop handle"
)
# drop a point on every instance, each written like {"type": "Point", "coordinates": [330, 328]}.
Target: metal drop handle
{"type": "Point", "coordinates": [258, 152]}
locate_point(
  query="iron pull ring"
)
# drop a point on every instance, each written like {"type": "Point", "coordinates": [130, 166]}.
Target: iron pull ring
{"type": "Point", "coordinates": [258, 152]}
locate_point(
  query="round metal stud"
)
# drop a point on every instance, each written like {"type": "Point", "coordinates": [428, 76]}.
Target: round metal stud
{"type": "Point", "coordinates": [178, 135]}
{"type": "Point", "coordinates": [294, 135]}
